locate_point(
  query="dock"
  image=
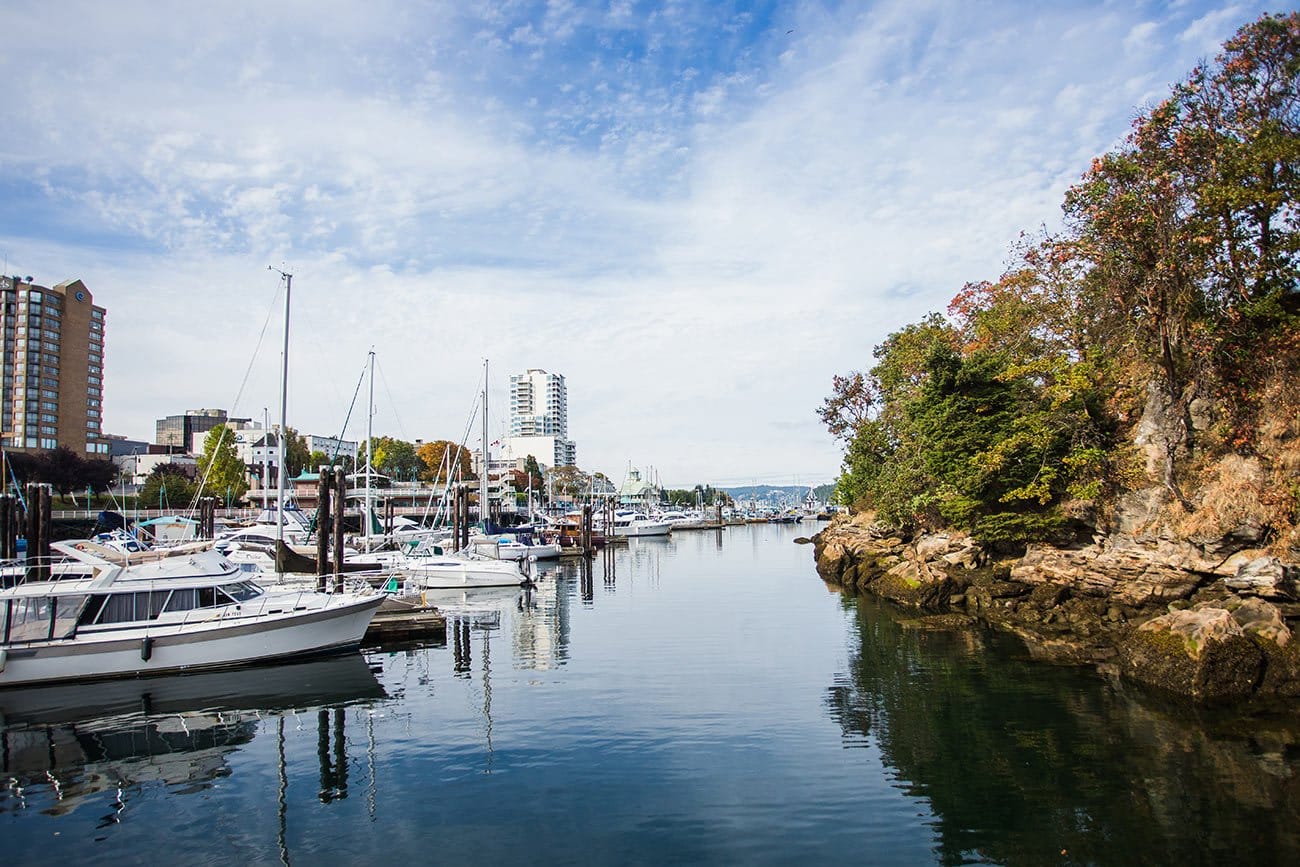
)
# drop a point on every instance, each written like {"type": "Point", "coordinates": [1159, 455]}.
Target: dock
{"type": "Point", "coordinates": [405, 618]}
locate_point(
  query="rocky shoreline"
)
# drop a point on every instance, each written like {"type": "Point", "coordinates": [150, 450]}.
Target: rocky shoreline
{"type": "Point", "coordinates": [1199, 621]}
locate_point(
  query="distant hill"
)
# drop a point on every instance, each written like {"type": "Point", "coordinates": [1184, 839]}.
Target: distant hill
{"type": "Point", "coordinates": [773, 492]}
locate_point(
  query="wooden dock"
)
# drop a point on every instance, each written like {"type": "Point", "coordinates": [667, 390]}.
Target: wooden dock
{"type": "Point", "coordinates": [402, 620]}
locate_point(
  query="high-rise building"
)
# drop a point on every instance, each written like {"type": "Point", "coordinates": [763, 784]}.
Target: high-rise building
{"type": "Point", "coordinates": [539, 418]}
{"type": "Point", "coordinates": [53, 386]}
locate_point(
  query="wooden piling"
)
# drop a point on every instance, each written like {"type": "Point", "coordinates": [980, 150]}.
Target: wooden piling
{"type": "Point", "coordinates": [33, 530]}
{"type": "Point", "coordinates": [46, 522]}
{"type": "Point", "coordinates": [455, 516]}
{"type": "Point", "coordinates": [323, 525]}
{"type": "Point", "coordinates": [340, 502]}
{"type": "Point", "coordinates": [6, 553]}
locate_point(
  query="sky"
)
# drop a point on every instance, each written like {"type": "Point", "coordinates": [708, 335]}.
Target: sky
{"type": "Point", "coordinates": [697, 212]}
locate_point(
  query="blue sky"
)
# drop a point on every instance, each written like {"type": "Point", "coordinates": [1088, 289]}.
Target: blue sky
{"type": "Point", "coordinates": [697, 212]}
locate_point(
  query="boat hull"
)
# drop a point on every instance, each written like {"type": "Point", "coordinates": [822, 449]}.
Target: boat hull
{"type": "Point", "coordinates": [454, 575]}
{"type": "Point", "coordinates": [657, 529]}
{"type": "Point", "coordinates": [191, 647]}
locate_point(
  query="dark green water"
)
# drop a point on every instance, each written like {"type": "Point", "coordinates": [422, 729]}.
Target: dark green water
{"type": "Point", "coordinates": [700, 700]}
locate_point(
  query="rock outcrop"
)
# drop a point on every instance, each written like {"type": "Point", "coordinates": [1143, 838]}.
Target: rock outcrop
{"type": "Point", "coordinates": [1204, 621]}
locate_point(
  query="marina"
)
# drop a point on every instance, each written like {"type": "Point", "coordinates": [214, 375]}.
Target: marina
{"type": "Point", "coordinates": [700, 698]}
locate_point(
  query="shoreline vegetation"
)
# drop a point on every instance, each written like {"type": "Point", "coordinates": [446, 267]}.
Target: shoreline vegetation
{"type": "Point", "coordinates": [1100, 450]}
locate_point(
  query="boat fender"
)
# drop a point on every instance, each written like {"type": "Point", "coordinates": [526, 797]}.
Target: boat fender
{"type": "Point", "coordinates": [4, 657]}
{"type": "Point", "coordinates": [80, 547]}
{"type": "Point", "coordinates": [146, 648]}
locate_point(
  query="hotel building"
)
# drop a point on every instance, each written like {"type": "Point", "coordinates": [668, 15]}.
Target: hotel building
{"type": "Point", "coordinates": [53, 377]}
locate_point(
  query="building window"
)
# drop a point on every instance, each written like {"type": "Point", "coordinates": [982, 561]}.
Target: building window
{"type": "Point", "coordinates": [31, 442]}
{"type": "Point", "coordinates": [48, 417]}
{"type": "Point", "coordinates": [92, 380]}
{"type": "Point", "coordinates": [49, 429]}
{"type": "Point", "coordinates": [49, 443]}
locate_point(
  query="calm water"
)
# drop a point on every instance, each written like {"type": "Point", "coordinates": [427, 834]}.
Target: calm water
{"type": "Point", "coordinates": [703, 699]}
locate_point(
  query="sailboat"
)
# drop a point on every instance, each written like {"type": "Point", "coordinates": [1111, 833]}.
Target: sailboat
{"type": "Point", "coordinates": [428, 566]}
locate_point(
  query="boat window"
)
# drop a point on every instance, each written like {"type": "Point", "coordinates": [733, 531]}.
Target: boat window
{"type": "Point", "coordinates": [182, 600]}
{"type": "Point", "coordinates": [118, 608]}
{"type": "Point", "coordinates": [67, 615]}
{"type": "Point", "coordinates": [208, 598]}
{"type": "Point", "coordinates": [29, 619]}
{"type": "Point", "coordinates": [241, 592]}
{"type": "Point", "coordinates": [91, 611]}
{"type": "Point", "coordinates": [130, 607]}
{"type": "Point", "coordinates": [156, 600]}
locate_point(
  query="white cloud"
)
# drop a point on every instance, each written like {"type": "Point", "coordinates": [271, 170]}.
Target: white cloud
{"type": "Point", "coordinates": [697, 231]}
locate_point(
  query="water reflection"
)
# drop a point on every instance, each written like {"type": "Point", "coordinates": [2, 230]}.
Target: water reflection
{"type": "Point", "coordinates": [73, 742]}
{"type": "Point", "coordinates": [1023, 763]}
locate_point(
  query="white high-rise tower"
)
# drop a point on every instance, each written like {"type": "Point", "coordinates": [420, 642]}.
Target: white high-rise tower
{"type": "Point", "coordinates": [539, 418]}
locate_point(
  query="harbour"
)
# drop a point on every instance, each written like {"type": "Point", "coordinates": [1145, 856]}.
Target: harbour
{"type": "Point", "coordinates": [699, 698]}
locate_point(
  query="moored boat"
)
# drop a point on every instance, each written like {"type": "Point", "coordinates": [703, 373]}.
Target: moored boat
{"type": "Point", "coordinates": [180, 613]}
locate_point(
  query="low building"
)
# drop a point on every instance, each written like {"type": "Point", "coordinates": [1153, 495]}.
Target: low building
{"type": "Point", "coordinates": [135, 468]}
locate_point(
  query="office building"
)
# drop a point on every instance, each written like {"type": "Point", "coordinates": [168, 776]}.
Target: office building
{"type": "Point", "coordinates": [53, 375]}
{"type": "Point", "coordinates": [178, 431]}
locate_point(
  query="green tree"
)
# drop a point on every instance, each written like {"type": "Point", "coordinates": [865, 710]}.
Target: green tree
{"type": "Point", "coordinates": [569, 482]}
{"type": "Point", "coordinates": [168, 486]}
{"type": "Point", "coordinates": [221, 472]}
{"type": "Point", "coordinates": [534, 471]}
{"type": "Point", "coordinates": [297, 457]}
{"type": "Point", "coordinates": [395, 458]}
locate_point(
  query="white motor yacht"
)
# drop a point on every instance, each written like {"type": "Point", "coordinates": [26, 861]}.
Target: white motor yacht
{"type": "Point", "coordinates": [430, 567]}
{"type": "Point", "coordinates": [639, 524]}
{"type": "Point", "coordinates": [513, 548]}
{"type": "Point", "coordinates": [175, 614]}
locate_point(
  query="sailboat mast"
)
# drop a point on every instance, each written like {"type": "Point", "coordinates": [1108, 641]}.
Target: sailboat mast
{"type": "Point", "coordinates": [370, 439]}
{"type": "Point", "coordinates": [483, 481]}
{"type": "Point", "coordinates": [266, 456]}
{"type": "Point", "coordinates": [284, 411]}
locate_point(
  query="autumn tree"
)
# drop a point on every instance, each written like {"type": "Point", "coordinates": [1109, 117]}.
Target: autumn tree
{"type": "Point", "coordinates": [1174, 278]}
{"type": "Point", "coordinates": [435, 464]}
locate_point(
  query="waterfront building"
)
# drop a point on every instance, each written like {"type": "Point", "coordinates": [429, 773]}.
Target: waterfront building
{"type": "Point", "coordinates": [53, 367]}
{"type": "Point", "coordinates": [637, 492]}
{"type": "Point", "coordinates": [333, 447]}
{"type": "Point", "coordinates": [539, 419]}
{"type": "Point", "coordinates": [136, 468]}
